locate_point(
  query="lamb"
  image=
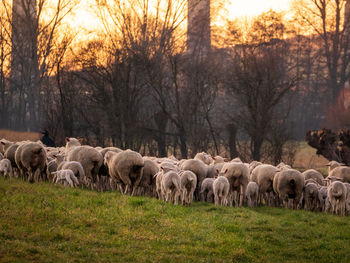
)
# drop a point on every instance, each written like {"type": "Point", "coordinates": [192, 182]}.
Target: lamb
{"type": "Point", "coordinates": [236, 160]}
{"type": "Point", "coordinates": [237, 175]}
{"type": "Point", "coordinates": [313, 174]}
{"type": "Point", "coordinates": [65, 177]}
{"type": "Point", "coordinates": [333, 164]}
{"type": "Point", "coordinates": [337, 192]}
{"type": "Point", "coordinates": [218, 159]}
{"type": "Point", "coordinates": [221, 188]}
{"type": "Point", "coordinates": [6, 168]}
{"type": "Point", "coordinates": [311, 197]}
{"type": "Point", "coordinates": [30, 158]}
{"type": "Point", "coordinates": [252, 194]}
{"type": "Point", "coordinates": [171, 187]}
{"type": "Point", "coordinates": [207, 192]}
{"type": "Point", "coordinates": [263, 175]}
{"type": "Point", "coordinates": [90, 159]}
{"type": "Point", "coordinates": [322, 196]}
{"type": "Point", "coordinates": [289, 184]}
{"type": "Point", "coordinates": [283, 166]}
{"type": "Point", "coordinates": [204, 157]}
{"type": "Point", "coordinates": [77, 170]}
{"type": "Point", "coordinates": [188, 182]}
{"type": "Point", "coordinates": [126, 167]}
{"type": "Point", "coordinates": [341, 173]}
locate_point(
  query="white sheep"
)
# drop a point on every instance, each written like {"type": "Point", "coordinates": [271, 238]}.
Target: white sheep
{"type": "Point", "coordinates": [6, 168]}
{"type": "Point", "coordinates": [65, 177]}
{"type": "Point", "coordinates": [310, 194]}
{"type": "Point", "coordinates": [341, 173]}
{"type": "Point", "coordinates": [221, 188]}
{"type": "Point", "coordinates": [171, 187]}
{"type": "Point", "coordinates": [337, 195]}
{"type": "Point", "coordinates": [322, 196]}
{"type": "Point", "coordinates": [252, 194]}
{"type": "Point", "coordinates": [188, 186]}
{"type": "Point", "coordinates": [204, 157]}
{"type": "Point", "coordinates": [333, 164]}
{"type": "Point", "coordinates": [263, 175]}
{"type": "Point", "coordinates": [313, 174]}
{"type": "Point", "coordinates": [207, 192]}
{"type": "Point", "coordinates": [237, 175]}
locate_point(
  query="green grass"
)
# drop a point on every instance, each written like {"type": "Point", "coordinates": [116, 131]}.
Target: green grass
{"type": "Point", "coordinates": [48, 223]}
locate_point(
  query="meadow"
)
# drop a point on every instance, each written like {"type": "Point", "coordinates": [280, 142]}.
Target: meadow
{"type": "Point", "coordinates": [42, 222]}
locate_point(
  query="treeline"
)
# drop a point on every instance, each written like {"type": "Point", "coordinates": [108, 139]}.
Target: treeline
{"type": "Point", "coordinates": [135, 86]}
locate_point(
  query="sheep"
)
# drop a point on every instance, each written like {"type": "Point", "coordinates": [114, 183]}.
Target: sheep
{"type": "Point", "coordinates": [347, 199]}
{"type": "Point", "coordinates": [263, 175]}
{"type": "Point", "coordinates": [65, 177]}
{"type": "Point", "coordinates": [204, 157]}
{"type": "Point", "coordinates": [30, 158]}
{"type": "Point", "coordinates": [10, 154]}
{"type": "Point", "coordinates": [333, 164]}
{"type": "Point", "coordinates": [283, 166]}
{"type": "Point", "coordinates": [322, 196]}
{"type": "Point", "coordinates": [188, 182]}
{"type": "Point", "coordinates": [72, 142]}
{"type": "Point", "coordinates": [236, 160]}
{"type": "Point", "coordinates": [90, 159]}
{"type": "Point", "coordinates": [201, 170]}
{"type": "Point", "coordinates": [313, 174]}
{"type": "Point", "coordinates": [159, 178]}
{"type": "Point", "coordinates": [147, 184]}
{"type": "Point", "coordinates": [310, 194]}
{"type": "Point", "coordinates": [289, 184]}
{"type": "Point", "coordinates": [50, 168]}
{"type": "Point", "coordinates": [126, 167]}
{"type": "Point", "coordinates": [253, 165]}
{"type": "Point", "coordinates": [104, 179]}
{"type": "Point", "coordinates": [237, 175]}
{"type": "Point", "coordinates": [77, 170]}
{"type": "Point", "coordinates": [340, 173]}
{"type": "Point", "coordinates": [221, 188]}
{"type": "Point", "coordinates": [312, 181]}
{"type": "Point", "coordinates": [171, 187]}
{"type": "Point", "coordinates": [207, 192]}
{"type": "Point", "coordinates": [337, 195]}
{"type": "Point", "coordinates": [218, 159]}
{"type": "Point", "coordinates": [4, 145]}
{"type": "Point", "coordinates": [6, 168]}
{"type": "Point", "coordinates": [252, 194]}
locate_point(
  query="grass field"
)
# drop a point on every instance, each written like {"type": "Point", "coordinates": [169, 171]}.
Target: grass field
{"type": "Point", "coordinates": [48, 223]}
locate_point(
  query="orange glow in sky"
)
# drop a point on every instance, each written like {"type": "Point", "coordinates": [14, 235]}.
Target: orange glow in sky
{"type": "Point", "coordinates": [87, 22]}
{"type": "Point", "coordinates": [242, 8]}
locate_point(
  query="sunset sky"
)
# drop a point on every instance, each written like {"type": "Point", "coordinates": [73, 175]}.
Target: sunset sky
{"type": "Point", "coordinates": [238, 8]}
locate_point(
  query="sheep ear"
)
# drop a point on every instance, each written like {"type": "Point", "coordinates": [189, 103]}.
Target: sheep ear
{"type": "Point", "coordinates": [54, 155]}
{"type": "Point", "coordinates": [3, 143]}
{"type": "Point", "coordinates": [80, 139]}
{"type": "Point", "coordinates": [213, 158]}
{"type": "Point", "coordinates": [217, 171]}
{"type": "Point", "coordinates": [162, 168]}
{"type": "Point", "coordinates": [226, 159]}
{"type": "Point", "coordinates": [158, 162]}
{"type": "Point", "coordinates": [67, 139]}
{"type": "Point", "coordinates": [225, 171]}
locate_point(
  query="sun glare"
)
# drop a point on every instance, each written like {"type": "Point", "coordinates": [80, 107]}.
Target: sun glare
{"type": "Point", "coordinates": [248, 8]}
{"type": "Point", "coordinates": [87, 22]}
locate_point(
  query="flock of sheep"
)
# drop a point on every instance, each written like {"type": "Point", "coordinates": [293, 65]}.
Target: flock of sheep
{"type": "Point", "coordinates": [204, 178]}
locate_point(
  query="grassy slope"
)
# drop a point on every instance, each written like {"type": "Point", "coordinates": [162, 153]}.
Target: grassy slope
{"type": "Point", "coordinates": [43, 222]}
